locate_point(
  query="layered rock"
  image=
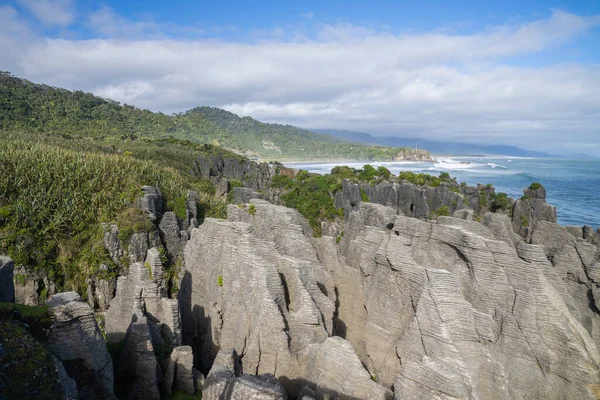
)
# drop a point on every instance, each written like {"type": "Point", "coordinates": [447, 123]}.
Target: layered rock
{"type": "Point", "coordinates": [7, 286]}
{"type": "Point", "coordinates": [415, 201]}
{"type": "Point", "coordinates": [440, 309]}
{"type": "Point", "coordinates": [226, 383]}
{"type": "Point", "coordinates": [143, 291]}
{"type": "Point", "coordinates": [77, 342]}
{"type": "Point", "coordinates": [260, 271]}
{"type": "Point", "coordinates": [531, 208]}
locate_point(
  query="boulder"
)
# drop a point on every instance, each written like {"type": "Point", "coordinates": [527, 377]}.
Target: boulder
{"type": "Point", "coordinates": [26, 287]}
{"type": "Point", "coordinates": [7, 286]}
{"type": "Point", "coordinates": [76, 341]}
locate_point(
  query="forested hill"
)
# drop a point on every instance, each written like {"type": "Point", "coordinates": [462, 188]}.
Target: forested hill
{"type": "Point", "coordinates": [30, 107]}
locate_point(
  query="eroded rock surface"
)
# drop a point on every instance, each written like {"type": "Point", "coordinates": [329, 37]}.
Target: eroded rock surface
{"type": "Point", "coordinates": [77, 342]}
{"type": "Point", "coordinates": [445, 309]}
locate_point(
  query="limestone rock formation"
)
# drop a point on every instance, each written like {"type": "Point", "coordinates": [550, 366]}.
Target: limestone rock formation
{"type": "Point", "coordinates": [7, 286]}
{"type": "Point", "coordinates": [529, 209]}
{"type": "Point", "coordinates": [433, 309]}
{"type": "Point", "coordinates": [137, 369]}
{"type": "Point", "coordinates": [224, 383]}
{"type": "Point", "coordinates": [180, 374]}
{"type": "Point", "coordinates": [143, 292]}
{"type": "Point", "coordinates": [151, 202]}
{"type": "Point", "coordinates": [77, 342]}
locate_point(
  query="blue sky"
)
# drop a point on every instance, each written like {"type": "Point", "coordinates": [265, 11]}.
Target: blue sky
{"type": "Point", "coordinates": [522, 73]}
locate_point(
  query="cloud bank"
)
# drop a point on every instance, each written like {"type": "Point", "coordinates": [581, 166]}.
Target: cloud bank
{"type": "Point", "coordinates": [434, 85]}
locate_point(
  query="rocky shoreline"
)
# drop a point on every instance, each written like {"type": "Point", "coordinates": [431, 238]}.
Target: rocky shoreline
{"type": "Point", "coordinates": [483, 301]}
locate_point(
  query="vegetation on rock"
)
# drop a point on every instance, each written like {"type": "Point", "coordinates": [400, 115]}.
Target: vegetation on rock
{"type": "Point", "coordinates": [56, 192]}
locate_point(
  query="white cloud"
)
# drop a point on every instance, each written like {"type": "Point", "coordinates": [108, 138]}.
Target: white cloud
{"type": "Point", "coordinates": [435, 85]}
{"type": "Point", "coordinates": [50, 12]}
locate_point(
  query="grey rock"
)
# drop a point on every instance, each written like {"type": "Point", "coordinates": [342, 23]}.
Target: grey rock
{"type": "Point", "coordinates": [151, 202]}
{"type": "Point", "coordinates": [137, 364]}
{"type": "Point", "coordinates": [100, 292]}
{"type": "Point", "coordinates": [26, 286]}
{"type": "Point", "coordinates": [113, 244]}
{"type": "Point", "coordinates": [244, 195]}
{"type": "Point", "coordinates": [76, 341]}
{"type": "Point", "coordinates": [170, 232]}
{"type": "Point", "coordinates": [179, 374]}
{"type": "Point", "coordinates": [552, 236]}
{"type": "Point", "coordinates": [501, 228]}
{"type": "Point", "coordinates": [66, 383]}
{"type": "Point", "coordinates": [334, 368]}
{"type": "Point", "coordinates": [7, 286]}
{"type": "Point", "coordinates": [589, 234]}
{"type": "Point", "coordinates": [530, 209]}
{"type": "Point", "coordinates": [576, 231]}
{"type": "Point", "coordinates": [464, 214]}
{"type": "Point", "coordinates": [142, 294]}
{"type": "Point", "coordinates": [223, 384]}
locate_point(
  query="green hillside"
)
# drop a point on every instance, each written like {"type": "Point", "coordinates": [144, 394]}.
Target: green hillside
{"type": "Point", "coordinates": [36, 108]}
{"type": "Point", "coordinates": [55, 193]}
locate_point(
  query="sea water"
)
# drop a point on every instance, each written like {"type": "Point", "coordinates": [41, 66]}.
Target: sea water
{"type": "Point", "coordinates": [573, 186]}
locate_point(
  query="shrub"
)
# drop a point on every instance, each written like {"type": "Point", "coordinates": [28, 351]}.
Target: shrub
{"type": "Point", "coordinates": [500, 201]}
{"type": "Point", "coordinates": [443, 211]}
{"type": "Point", "coordinates": [251, 209]}
{"type": "Point", "coordinates": [535, 186]}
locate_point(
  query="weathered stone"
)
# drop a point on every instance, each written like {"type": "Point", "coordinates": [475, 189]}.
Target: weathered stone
{"type": "Point", "coordinates": [501, 228]}
{"type": "Point", "coordinates": [66, 383]}
{"type": "Point", "coordinates": [530, 209]}
{"type": "Point", "coordinates": [27, 287]}
{"type": "Point", "coordinates": [244, 195]}
{"type": "Point", "coordinates": [464, 214]}
{"type": "Point", "coordinates": [171, 235]}
{"type": "Point", "coordinates": [588, 233]}
{"type": "Point", "coordinates": [576, 231]}
{"type": "Point", "coordinates": [112, 243]}
{"type": "Point", "coordinates": [151, 202]}
{"type": "Point", "coordinates": [137, 364]}
{"type": "Point", "coordinates": [179, 374]}
{"type": "Point", "coordinates": [142, 293]}
{"type": "Point", "coordinates": [77, 342]}
{"type": "Point", "coordinates": [7, 286]}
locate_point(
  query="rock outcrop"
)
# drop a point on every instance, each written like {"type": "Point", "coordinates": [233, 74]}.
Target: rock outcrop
{"type": "Point", "coordinates": [450, 308]}
{"type": "Point", "coordinates": [531, 208]}
{"type": "Point", "coordinates": [226, 383]}
{"type": "Point", "coordinates": [76, 341]}
{"type": "Point", "coordinates": [142, 293]}
{"type": "Point", "coordinates": [7, 286]}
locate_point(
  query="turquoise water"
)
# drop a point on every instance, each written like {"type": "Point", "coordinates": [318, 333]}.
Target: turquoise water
{"type": "Point", "coordinates": [572, 186]}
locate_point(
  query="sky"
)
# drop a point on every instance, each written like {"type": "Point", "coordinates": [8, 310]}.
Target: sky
{"type": "Point", "coordinates": [516, 73]}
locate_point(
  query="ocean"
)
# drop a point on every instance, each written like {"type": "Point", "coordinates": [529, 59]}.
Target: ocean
{"type": "Point", "coordinates": [573, 186]}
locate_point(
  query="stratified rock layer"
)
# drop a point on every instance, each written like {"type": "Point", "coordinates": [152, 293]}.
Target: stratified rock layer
{"type": "Point", "coordinates": [449, 309]}
{"type": "Point", "coordinates": [77, 342]}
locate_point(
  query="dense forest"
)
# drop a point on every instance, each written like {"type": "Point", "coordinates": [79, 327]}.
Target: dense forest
{"type": "Point", "coordinates": [36, 108]}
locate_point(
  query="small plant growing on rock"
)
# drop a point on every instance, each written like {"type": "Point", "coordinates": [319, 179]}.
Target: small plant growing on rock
{"type": "Point", "coordinates": [524, 221]}
{"type": "Point", "coordinates": [443, 211]}
{"type": "Point", "coordinates": [363, 196]}
{"type": "Point", "coordinates": [339, 237]}
{"type": "Point", "coordinates": [220, 280]}
{"type": "Point", "coordinates": [149, 267]}
{"type": "Point", "coordinates": [535, 186]}
{"type": "Point", "coordinates": [251, 209]}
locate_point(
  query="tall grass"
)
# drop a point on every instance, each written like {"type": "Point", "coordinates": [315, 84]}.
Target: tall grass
{"type": "Point", "coordinates": [54, 198]}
